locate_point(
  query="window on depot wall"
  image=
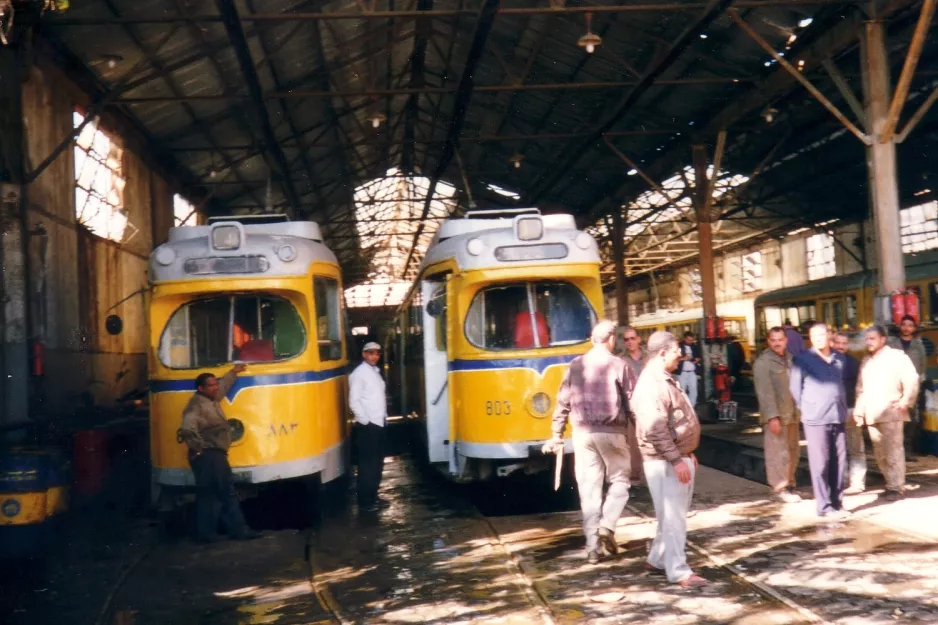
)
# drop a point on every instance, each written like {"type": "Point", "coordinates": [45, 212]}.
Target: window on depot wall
{"type": "Point", "coordinates": [99, 183]}
{"type": "Point", "coordinates": [184, 213]}
{"type": "Point", "coordinates": [752, 272]}
{"type": "Point", "coordinates": [820, 256]}
{"type": "Point", "coordinates": [918, 227]}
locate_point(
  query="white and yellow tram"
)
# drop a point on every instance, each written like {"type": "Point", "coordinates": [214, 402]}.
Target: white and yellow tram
{"type": "Point", "coordinates": [504, 300]}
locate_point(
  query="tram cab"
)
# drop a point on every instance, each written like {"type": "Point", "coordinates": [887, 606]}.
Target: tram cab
{"type": "Point", "coordinates": [266, 292]}
{"type": "Point", "coordinates": [503, 302]}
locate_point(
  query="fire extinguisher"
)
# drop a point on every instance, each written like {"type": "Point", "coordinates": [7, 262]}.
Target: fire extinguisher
{"type": "Point", "coordinates": [39, 358]}
{"type": "Point", "coordinates": [898, 307]}
{"type": "Point", "coordinates": [912, 305]}
{"type": "Point", "coordinates": [721, 328]}
{"type": "Point", "coordinates": [711, 327]}
{"type": "Point", "coordinates": [721, 382]}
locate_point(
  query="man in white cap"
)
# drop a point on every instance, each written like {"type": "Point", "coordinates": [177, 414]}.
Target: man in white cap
{"type": "Point", "coordinates": [369, 404]}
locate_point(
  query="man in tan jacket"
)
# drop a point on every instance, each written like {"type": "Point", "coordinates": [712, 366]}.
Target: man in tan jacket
{"type": "Point", "coordinates": [886, 391]}
{"type": "Point", "coordinates": [778, 415]}
{"type": "Point", "coordinates": [206, 432]}
{"type": "Point", "coordinates": [668, 433]}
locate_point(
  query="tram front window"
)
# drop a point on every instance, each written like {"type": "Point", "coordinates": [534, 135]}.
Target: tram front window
{"type": "Point", "coordinates": [529, 315]}
{"type": "Point", "coordinates": [213, 332]}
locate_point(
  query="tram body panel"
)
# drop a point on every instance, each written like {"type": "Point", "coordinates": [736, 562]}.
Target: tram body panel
{"type": "Point", "coordinates": [518, 309]}
{"type": "Point", "coordinates": [288, 411]}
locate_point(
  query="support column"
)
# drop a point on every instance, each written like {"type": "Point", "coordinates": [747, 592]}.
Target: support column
{"type": "Point", "coordinates": [881, 159]}
{"type": "Point", "coordinates": [14, 355]}
{"type": "Point", "coordinates": [704, 230]}
{"type": "Point", "coordinates": [618, 249]}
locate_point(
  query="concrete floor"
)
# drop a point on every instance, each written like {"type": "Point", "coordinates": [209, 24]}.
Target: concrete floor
{"type": "Point", "coordinates": [433, 557]}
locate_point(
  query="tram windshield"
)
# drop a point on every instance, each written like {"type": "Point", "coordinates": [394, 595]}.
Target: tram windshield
{"type": "Point", "coordinates": [529, 315]}
{"type": "Point", "coordinates": [245, 328]}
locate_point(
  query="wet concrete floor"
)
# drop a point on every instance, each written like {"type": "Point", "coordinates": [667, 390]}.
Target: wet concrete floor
{"type": "Point", "coordinates": [432, 557]}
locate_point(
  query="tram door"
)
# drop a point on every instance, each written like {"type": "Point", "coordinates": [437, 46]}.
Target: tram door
{"type": "Point", "coordinates": [435, 369]}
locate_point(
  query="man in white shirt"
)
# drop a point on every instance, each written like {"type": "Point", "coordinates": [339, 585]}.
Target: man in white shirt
{"type": "Point", "coordinates": [687, 371]}
{"type": "Point", "coordinates": [368, 402]}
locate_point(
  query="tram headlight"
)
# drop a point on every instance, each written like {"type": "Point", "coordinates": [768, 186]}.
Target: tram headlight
{"type": "Point", "coordinates": [226, 237]}
{"type": "Point", "coordinates": [540, 404]}
{"type": "Point", "coordinates": [530, 228]}
{"type": "Point", "coordinates": [236, 429]}
{"type": "Point", "coordinates": [165, 255]}
{"type": "Point", "coordinates": [583, 241]}
{"type": "Point", "coordinates": [286, 253]}
{"type": "Point", "coordinates": [475, 246]}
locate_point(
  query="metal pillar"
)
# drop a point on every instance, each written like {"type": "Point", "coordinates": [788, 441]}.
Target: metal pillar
{"type": "Point", "coordinates": [704, 230]}
{"type": "Point", "coordinates": [881, 159]}
{"type": "Point", "coordinates": [618, 249]}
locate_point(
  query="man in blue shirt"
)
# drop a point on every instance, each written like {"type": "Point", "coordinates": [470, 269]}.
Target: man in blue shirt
{"type": "Point", "coordinates": [817, 386]}
{"type": "Point", "coordinates": [795, 342]}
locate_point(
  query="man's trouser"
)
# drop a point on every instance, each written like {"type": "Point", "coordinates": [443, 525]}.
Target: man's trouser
{"type": "Point", "coordinates": [215, 495]}
{"type": "Point", "coordinates": [672, 501]}
{"type": "Point", "coordinates": [782, 452]}
{"type": "Point", "coordinates": [856, 453]}
{"type": "Point", "coordinates": [889, 453]}
{"type": "Point", "coordinates": [369, 447]}
{"type": "Point", "coordinates": [601, 457]}
{"type": "Point", "coordinates": [637, 471]}
{"type": "Point", "coordinates": [688, 381]}
{"type": "Point", "coordinates": [827, 458]}
{"type": "Point", "coordinates": [913, 427]}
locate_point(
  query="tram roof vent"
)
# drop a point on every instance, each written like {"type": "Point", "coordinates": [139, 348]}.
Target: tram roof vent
{"type": "Point", "coordinates": [274, 225]}
{"type": "Point", "coordinates": [251, 220]}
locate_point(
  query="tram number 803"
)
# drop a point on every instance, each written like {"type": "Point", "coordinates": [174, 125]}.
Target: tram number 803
{"type": "Point", "coordinates": [498, 408]}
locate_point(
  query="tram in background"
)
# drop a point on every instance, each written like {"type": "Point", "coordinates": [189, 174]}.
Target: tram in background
{"type": "Point", "coordinates": [266, 292]}
{"type": "Point", "coordinates": [503, 301]}
{"type": "Point", "coordinates": [846, 303]}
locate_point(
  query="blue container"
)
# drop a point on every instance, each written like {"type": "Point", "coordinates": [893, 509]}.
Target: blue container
{"type": "Point", "coordinates": [33, 497]}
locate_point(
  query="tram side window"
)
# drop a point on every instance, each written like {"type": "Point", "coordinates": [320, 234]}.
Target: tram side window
{"type": "Point", "coordinates": [213, 332]}
{"type": "Point", "coordinates": [502, 317]}
{"type": "Point", "coordinates": [852, 313]}
{"type": "Point", "coordinates": [328, 324]}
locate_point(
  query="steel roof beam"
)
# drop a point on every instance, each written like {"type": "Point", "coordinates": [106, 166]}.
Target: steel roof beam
{"type": "Point", "coordinates": [417, 61]}
{"type": "Point", "coordinates": [235, 30]}
{"type": "Point", "coordinates": [486, 19]}
{"type": "Point", "coordinates": [293, 93]}
{"type": "Point", "coordinates": [286, 16]}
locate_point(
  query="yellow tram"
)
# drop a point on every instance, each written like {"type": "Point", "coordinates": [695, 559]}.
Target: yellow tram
{"type": "Point", "coordinates": [504, 300]}
{"type": "Point", "coordinates": [846, 303]}
{"type": "Point", "coordinates": [266, 292]}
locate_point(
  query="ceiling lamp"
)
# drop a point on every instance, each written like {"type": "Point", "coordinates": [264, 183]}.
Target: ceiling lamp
{"type": "Point", "coordinates": [590, 40]}
{"type": "Point", "coordinates": [770, 114]}
{"type": "Point", "coordinates": [516, 160]}
{"type": "Point", "coordinates": [377, 119]}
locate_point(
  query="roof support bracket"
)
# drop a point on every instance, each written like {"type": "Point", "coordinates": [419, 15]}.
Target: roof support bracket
{"type": "Point", "coordinates": [917, 117]}
{"type": "Point", "coordinates": [844, 88]}
{"type": "Point", "coordinates": [820, 97]}
{"type": "Point", "coordinates": [908, 70]}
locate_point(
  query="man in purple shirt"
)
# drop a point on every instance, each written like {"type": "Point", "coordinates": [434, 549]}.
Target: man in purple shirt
{"type": "Point", "coordinates": [795, 342]}
{"type": "Point", "coordinates": [594, 397]}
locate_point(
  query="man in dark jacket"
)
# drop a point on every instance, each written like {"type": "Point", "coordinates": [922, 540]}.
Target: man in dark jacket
{"type": "Point", "coordinates": [856, 448]}
{"type": "Point", "coordinates": [817, 386]}
{"type": "Point", "coordinates": [206, 432]}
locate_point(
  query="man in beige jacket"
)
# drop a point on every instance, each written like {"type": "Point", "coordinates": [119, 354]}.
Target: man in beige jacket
{"type": "Point", "coordinates": [668, 433]}
{"type": "Point", "coordinates": [778, 415]}
{"type": "Point", "coordinates": [887, 389]}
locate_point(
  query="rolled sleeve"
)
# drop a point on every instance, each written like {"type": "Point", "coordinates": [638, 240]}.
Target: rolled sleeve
{"type": "Point", "coordinates": [562, 410]}
{"type": "Point", "coordinates": [190, 430]}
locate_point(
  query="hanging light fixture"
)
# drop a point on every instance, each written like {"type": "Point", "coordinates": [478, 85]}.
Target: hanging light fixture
{"type": "Point", "coordinates": [769, 115]}
{"type": "Point", "coordinates": [516, 160]}
{"type": "Point", "coordinates": [377, 119]}
{"type": "Point", "coordinates": [590, 40]}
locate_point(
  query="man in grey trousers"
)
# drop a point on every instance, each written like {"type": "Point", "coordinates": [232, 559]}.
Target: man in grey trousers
{"type": "Point", "coordinates": [594, 397]}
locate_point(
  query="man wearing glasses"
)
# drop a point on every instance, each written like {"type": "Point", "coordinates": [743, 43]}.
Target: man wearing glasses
{"type": "Point", "coordinates": [634, 356]}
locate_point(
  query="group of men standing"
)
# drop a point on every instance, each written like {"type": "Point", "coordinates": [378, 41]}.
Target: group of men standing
{"type": "Point", "coordinates": [834, 397]}
{"type": "Point", "coordinates": [605, 397]}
